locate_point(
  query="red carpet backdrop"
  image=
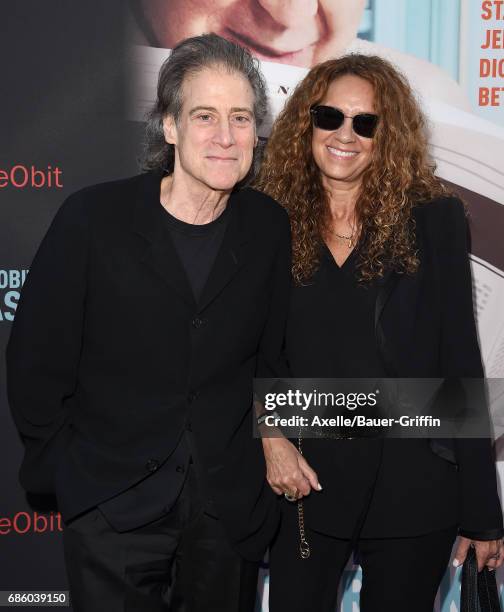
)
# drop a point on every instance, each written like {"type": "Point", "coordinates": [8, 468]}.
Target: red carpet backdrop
{"type": "Point", "coordinates": [77, 79]}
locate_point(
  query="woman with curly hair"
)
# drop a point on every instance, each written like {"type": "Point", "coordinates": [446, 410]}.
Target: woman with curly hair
{"type": "Point", "coordinates": [381, 288]}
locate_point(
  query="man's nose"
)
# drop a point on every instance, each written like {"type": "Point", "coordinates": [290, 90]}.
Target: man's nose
{"type": "Point", "coordinates": [224, 134]}
{"type": "Point", "coordinates": [290, 13]}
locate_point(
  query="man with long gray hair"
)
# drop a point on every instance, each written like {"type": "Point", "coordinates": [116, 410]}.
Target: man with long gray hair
{"type": "Point", "coordinates": [150, 305]}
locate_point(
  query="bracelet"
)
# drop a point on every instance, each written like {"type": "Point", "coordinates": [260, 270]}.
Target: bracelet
{"type": "Point", "coordinates": [263, 417]}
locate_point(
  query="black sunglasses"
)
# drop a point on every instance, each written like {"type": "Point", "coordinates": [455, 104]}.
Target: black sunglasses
{"type": "Point", "coordinates": [330, 118]}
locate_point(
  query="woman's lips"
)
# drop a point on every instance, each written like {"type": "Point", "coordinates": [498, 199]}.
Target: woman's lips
{"type": "Point", "coordinates": [296, 57]}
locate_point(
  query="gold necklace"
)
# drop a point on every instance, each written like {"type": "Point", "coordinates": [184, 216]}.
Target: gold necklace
{"type": "Point", "coordinates": [349, 238]}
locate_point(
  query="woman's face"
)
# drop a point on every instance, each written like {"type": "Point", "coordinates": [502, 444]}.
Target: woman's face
{"type": "Point", "coordinates": [297, 32]}
{"type": "Point", "coordinates": [342, 155]}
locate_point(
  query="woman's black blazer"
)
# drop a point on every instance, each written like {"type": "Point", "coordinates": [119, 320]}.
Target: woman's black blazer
{"type": "Point", "coordinates": [425, 328]}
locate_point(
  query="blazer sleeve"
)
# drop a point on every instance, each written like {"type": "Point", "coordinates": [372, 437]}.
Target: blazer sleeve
{"type": "Point", "coordinates": [271, 359]}
{"type": "Point", "coordinates": [45, 343]}
{"type": "Point", "coordinates": [480, 515]}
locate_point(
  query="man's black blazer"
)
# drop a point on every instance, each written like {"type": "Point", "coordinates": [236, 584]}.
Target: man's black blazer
{"type": "Point", "coordinates": [425, 328]}
{"type": "Point", "coordinates": [110, 358]}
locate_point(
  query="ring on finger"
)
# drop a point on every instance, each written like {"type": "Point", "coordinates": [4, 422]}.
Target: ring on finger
{"type": "Point", "coordinates": [291, 496]}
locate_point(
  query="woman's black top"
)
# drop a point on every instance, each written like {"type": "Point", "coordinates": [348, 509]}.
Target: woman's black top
{"type": "Point", "coordinates": [330, 331]}
{"type": "Point", "coordinates": [367, 483]}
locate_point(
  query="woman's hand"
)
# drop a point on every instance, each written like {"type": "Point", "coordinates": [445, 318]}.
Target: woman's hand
{"type": "Point", "coordinates": [488, 553]}
{"type": "Point", "coordinates": [287, 470]}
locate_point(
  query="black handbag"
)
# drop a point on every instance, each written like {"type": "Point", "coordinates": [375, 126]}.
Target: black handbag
{"type": "Point", "coordinates": [479, 590]}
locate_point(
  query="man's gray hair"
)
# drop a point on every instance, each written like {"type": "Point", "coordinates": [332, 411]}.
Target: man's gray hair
{"type": "Point", "coordinates": [186, 59]}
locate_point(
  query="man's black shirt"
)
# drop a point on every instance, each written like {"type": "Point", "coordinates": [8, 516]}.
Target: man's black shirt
{"type": "Point", "coordinates": [197, 246]}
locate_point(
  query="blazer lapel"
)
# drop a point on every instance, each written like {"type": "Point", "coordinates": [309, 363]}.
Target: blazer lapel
{"type": "Point", "coordinates": [160, 254]}
{"type": "Point", "coordinates": [386, 287]}
{"type": "Point", "coordinates": [162, 257]}
{"type": "Point", "coordinates": [230, 257]}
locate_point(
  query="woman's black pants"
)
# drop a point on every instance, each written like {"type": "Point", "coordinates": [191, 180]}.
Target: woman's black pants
{"type": "Point", "coordinates": [398, 574]}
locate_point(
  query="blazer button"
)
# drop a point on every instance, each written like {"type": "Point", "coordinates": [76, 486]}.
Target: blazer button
{"type": "Point", "coordinates": [192, 396]}
{"type": "Point", "coordinates": [188, 426]}
{"type": "Point", "coordinates": [198, 322]}
{"type": "Point", "coordinates": [180, 469]}
{"type": "Point", "coordinates": [152, 465]}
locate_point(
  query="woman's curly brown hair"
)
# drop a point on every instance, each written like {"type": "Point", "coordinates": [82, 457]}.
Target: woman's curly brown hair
{"type": "Point", "coordinates": [400, 173]}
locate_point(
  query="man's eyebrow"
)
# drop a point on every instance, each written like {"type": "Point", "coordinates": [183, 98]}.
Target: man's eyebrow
{"type": "Point", "coordinates": [242, 109]}
{"type": "Point", "coordinates": [235, 109]}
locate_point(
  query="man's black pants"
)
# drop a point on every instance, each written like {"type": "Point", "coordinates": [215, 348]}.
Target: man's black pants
{"type": "Point", "coordinates": [181, 563]}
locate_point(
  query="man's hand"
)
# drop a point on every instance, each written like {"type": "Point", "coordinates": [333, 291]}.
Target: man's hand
{"type": "Point", "coordinates": [487, 552]}
{"type": "Point", "coordinates": [287, 470]}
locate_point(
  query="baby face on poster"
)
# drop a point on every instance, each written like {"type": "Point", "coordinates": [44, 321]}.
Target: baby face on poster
{"type": "Point", "coordinates": [296, 32]}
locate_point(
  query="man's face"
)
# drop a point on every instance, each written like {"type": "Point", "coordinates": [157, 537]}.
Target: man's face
{"type": "Point", "coordinates": [215, 134]}
{"type": "Point", "coordinates": [342, 155]}
{"type": "Point", "coordinates": [297, 32]}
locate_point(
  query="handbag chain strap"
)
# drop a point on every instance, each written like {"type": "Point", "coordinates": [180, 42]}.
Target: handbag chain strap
{"type": "Point", "coordinates": [304, 547]}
